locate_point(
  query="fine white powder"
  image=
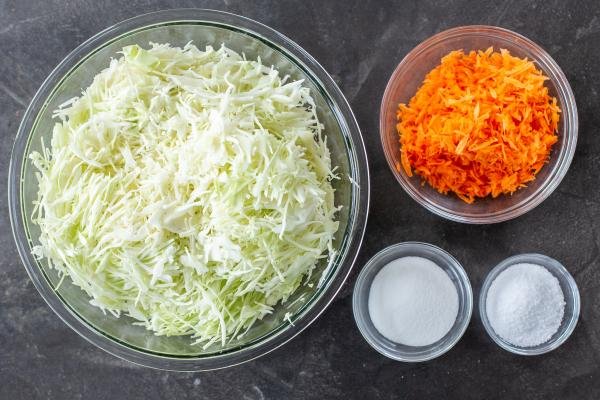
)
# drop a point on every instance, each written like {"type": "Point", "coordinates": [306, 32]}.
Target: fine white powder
{"type": "Point", "coordinates": [525, 305]}
{"type": "Point", "coordinates": [412, 301]}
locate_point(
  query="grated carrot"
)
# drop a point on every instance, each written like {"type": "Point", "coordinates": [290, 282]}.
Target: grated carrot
{"type": "Point", "coordinates": [481, 124]}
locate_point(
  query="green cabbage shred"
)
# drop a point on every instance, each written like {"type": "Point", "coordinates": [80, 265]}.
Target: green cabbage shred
{"type": "Point", "coordinates": [188, 189]}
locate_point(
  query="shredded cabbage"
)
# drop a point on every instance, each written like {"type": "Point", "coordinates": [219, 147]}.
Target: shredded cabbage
{"type": "Point", "coordinates": [188, 189]}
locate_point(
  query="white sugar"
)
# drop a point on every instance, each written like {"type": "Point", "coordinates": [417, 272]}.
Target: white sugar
{"type": "Point", "coordinates": [525, 305]}
{"type": "Point", "coordinates": [412, 301]}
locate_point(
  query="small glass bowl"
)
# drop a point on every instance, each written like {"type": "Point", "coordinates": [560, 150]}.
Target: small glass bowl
{"type": "Point", "coordinates": [408, 77]}
{"type": "Point", "coordinates": [360, 302]}
{"type": "Point", "coordinates": [570, 291]}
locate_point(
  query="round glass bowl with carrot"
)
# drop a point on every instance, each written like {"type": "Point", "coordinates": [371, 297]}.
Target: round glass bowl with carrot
{"type": "Point", "coordinates": [478, 124]}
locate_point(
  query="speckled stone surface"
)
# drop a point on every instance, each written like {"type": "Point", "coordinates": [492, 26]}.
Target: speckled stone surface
{"type": "Point", "coordinates": [359, 43]}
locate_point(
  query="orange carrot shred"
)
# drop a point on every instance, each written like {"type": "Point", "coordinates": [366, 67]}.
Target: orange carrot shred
{"type": "Point", "coordinates": [481, 124]}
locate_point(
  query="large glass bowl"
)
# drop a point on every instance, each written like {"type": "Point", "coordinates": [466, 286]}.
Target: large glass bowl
{"type": "Point", "coordinates": [409, 76]}
{"type": "Point", "coordinates": [117, 335]}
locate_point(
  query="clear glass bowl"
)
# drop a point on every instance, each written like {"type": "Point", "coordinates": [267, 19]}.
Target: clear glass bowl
{"type": "Point", "coordinates": [117, 335]}
{"type": "Point", "coordinates": [570, 291]}
{"type": "Point", "coordinates": [408, 77]}
{"type": "Point", "coordinates": [360, 302]}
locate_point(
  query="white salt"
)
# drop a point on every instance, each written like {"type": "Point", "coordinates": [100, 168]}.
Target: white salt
{"type": "Point", "coordinates": [412, 301]}
{"type": "Point", "coordinates": [525, 305]}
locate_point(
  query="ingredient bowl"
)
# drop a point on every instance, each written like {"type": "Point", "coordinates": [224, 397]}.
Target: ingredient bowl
{"type": "Point", "coordinates": [360, 302]}
{"type": "Point", "coordinates": [570, 292]}
{"type": "Point", "coordinates": [408, 77]}
{"type": "Point", "coordinates": [204, 27]}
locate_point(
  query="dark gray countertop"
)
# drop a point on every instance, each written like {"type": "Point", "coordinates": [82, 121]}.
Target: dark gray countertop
{"type": "Point", "coordinates": [359, 43]}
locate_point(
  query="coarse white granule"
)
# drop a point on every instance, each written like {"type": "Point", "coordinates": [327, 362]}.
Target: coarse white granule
{"type": "Point", "coordinates": [525, 305]}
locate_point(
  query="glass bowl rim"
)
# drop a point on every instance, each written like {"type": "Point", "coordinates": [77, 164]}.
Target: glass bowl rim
{"type": "Point", "coordinates": [360, 196]}
{"type": "Point", "coordinates": [360, 314]}
{"type": "Point", "coordinates": [569, 114]}
{"type": "Point", "coordinates": [544, 261]}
